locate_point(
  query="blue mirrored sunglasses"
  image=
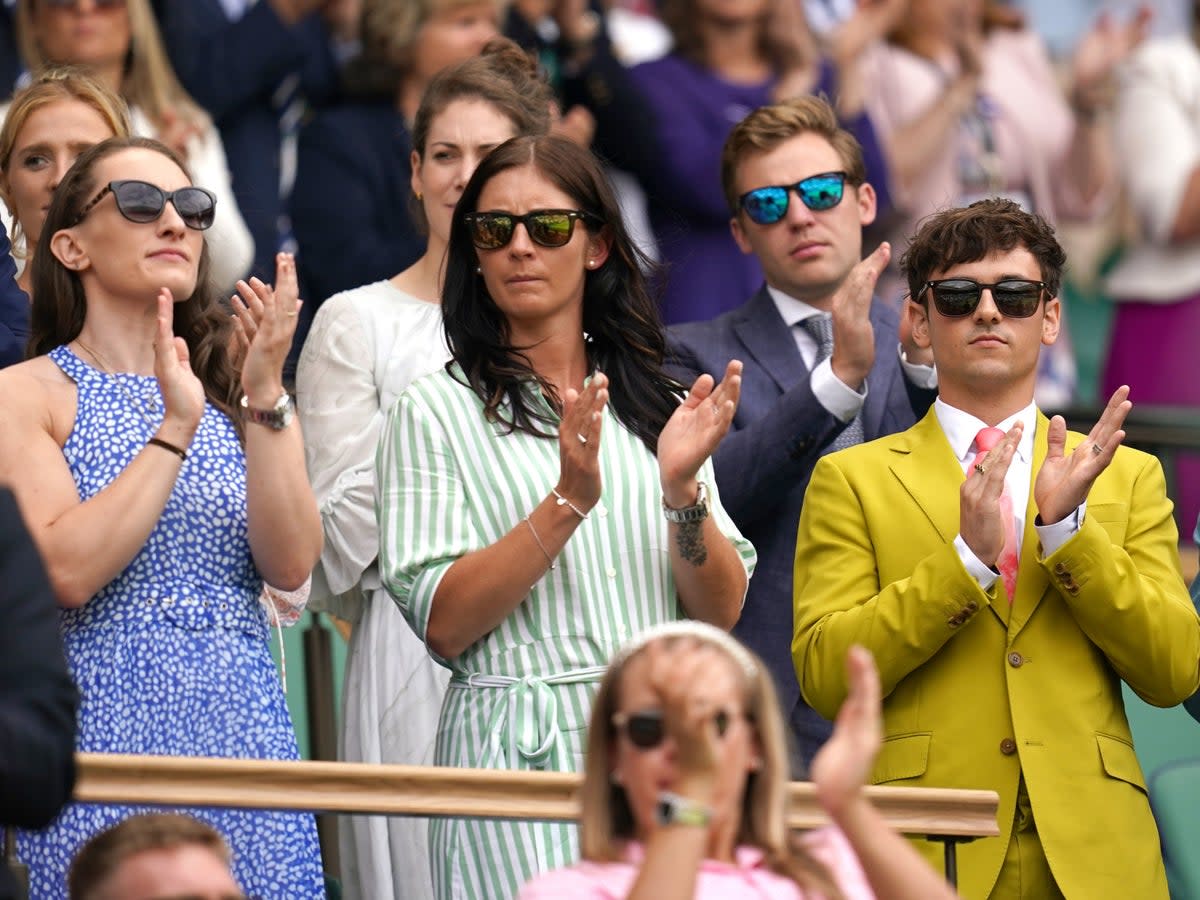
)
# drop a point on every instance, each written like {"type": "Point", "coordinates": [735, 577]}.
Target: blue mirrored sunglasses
{"type": "Point", "coordinates": [767, 205]}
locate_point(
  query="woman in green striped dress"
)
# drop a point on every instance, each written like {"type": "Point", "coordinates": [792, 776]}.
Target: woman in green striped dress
{"type": "Point", "coordinates": [548, 495]}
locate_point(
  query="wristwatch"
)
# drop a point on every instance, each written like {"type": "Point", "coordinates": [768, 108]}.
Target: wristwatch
{"type": "Point", "coordinates": [673, 809]}
{"type": "Point", "coordinates": [277, 418]}
{"type": "Point", "coordinates": [697, 512]}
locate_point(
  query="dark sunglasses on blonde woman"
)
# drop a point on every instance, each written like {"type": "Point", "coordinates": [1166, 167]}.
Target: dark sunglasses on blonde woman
{"type": "Point", "coordinates": [141, 202]}
{"type": "Point", "coordinates": [646, 729]}
{"type": "Point", "coordinates": [547, 227]}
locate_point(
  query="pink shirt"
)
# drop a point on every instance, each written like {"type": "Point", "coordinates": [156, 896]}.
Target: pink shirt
{"type": "Point", "coordinates": [747, 878]}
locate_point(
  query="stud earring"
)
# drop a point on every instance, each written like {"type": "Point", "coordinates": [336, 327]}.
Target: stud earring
{"type": "Point", "coordinates": [479, 270]}
{"type": "Point", "coordinates": [419, 196]}
{"type": "Point", "coordinates": [591, 264]}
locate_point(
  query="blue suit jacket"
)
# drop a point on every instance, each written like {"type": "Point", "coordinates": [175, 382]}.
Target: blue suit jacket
{"type": "Point", "coordinates": [233, 69]}
{"type": "Point", "coordinates": [763, 465]}
{"type": "Point", "coordinates": [14, 308]}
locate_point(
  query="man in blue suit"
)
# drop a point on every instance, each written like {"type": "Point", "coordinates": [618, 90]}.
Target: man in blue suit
{"type": "Point", "coordinates": [244, 62]}
{"type": "Point", "coordinates": [824, 364]}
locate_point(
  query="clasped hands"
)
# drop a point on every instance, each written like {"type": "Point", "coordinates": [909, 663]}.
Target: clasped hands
{"type": "Point", "coordinates": [1061, 486]}
{"type": "Point", "coordinates": [689, 437]}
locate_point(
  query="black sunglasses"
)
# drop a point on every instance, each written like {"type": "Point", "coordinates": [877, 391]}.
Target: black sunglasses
{"type": "Point", "coordinates": [141, 202]}
{"type": "Point", "coordinates": [767, 205]}
{"type": "Point", "coordinates": [1016, 298]}
{"type": "Point", "coordinates": [548, 227]}
{"type": "Point", "coordinates": [646, 729]}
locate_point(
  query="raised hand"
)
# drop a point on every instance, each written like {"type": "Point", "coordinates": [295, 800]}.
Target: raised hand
{"type": "Point", "coordinates": [853, 335]}
{"type": "Point", "coordinates": [1098, 53]}
{"type": "Point", "coordinates": [266, 320]}
{"type": "Point", "coordinates": [843, 765]}
{"type": "Point", "coordinates": [682, 676]}
{"type": "Point", "coordinates": [182, 391]}
{"type": "Point", "coordinates": [980, 521]}
{"type": "Point", "coordinates": [694, 431]}
{"type": "Point", "coordinates": [1065, 479]}
{"type": "Point", "coordinates": [579, 443]}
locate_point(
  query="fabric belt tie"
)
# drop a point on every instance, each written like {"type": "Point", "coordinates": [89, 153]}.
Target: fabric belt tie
{"type": "Point", "coordinates": [523, 731]}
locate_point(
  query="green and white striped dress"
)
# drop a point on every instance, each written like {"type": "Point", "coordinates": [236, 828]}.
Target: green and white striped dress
{"type": "Point", "coordinates": [449, 483]}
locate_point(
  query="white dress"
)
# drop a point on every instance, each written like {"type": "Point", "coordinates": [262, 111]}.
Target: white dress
{"type": "Point", "coordinates": [366, 346]}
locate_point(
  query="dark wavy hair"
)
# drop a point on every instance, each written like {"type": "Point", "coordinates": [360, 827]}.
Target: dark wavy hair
{"type": "Point", "coordinates": [969, 233]}
{"type": "Point", "coordinates": [60, 304]}
{"type": "Point", "coordinates": [626, 340]}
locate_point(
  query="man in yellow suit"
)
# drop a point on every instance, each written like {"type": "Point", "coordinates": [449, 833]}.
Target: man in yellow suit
{"type": "Point", "coordinates": [1005, 592]}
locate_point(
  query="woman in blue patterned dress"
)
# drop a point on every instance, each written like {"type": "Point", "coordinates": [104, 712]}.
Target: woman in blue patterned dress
{"type": "Point", "coordinates": [161, 489]}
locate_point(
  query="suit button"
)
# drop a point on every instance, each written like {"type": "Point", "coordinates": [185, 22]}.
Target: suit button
{"type": "Point", "coordinates": [1008, 746]}
{"type": "Point", "coordinates": [1059, 568]}
{"type": "Point", "coordinates": [1073, 589]}
{"type": "Point", "coordinates": [1016, 660]}
{"type": "Point", "coordinates": [972, 606]}
{"type": "Point", "coordinates": [954, 621]}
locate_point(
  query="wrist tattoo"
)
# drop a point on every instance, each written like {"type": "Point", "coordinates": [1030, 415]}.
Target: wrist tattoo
{"type": "Point", "coordinates": [689, 537]}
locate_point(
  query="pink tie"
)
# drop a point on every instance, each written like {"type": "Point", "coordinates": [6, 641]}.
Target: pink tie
{"type": "Point", "coordinates": [1007, 563]}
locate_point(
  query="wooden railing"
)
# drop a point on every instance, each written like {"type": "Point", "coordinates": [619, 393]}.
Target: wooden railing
{"type": "Point", "coordinates": [950, 816]}
{"type": "Point", "coordinates": [439, 791]}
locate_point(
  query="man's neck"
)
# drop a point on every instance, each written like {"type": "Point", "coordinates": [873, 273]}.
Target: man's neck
{"type": "Point", "coordinates": [990, 408]}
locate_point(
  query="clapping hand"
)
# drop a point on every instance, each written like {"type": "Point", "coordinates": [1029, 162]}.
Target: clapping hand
{"type": "Point", "coordinates": [264, 324]}
{"type": "Point", "coordinates": [579, 443]}
{"type": "Point", "coordinates": [182, 391]}
{"type": "Point", "coordinates": [853, 334]}
{"type": "Point", "coordinates": [843, 765]}
{"type": "Point", "coordinates": [694, 431]}
{"type": "Point", "coordinates": [1065, 479]}
{"type": "Point", "coordinates": [981, 521]}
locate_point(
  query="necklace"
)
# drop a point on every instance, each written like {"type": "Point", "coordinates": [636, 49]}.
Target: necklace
{"type": "Point", "coordinates": [108, 370]}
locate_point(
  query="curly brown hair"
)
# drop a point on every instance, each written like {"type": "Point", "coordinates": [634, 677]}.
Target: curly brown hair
{"type": "Point", "coordinates": [969, 233]}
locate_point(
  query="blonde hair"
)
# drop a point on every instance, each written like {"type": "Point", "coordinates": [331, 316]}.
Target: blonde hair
{"type": "Point", "coordinates": [149, 81]}
{"type": "Point", "coordinates": [54, 85]}
{"type": "Point", "coordinates": [769, 126]}
{"type": "Point", "coordinates": [607, 820]}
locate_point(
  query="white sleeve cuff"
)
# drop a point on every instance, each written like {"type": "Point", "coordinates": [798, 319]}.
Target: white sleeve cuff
{"type": "Point", "coordinates": [920, 376]}
{"type": "Point", "coordinates": [985, 575]}
{"type": "Point", "coordinates": [1054, 536]}
{"type": "Point", "coordinates": [839, 399]}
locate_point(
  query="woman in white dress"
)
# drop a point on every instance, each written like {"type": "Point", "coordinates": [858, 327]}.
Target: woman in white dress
{"type": "Point", "coordinates": [119, 44]}
{"type": "Point", "coordinates": [366, 346]}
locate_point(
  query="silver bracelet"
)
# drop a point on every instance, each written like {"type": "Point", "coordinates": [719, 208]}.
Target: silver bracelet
{"type": "Point", "coordinates": [563, 501]}
{"type": "Point", "coordinates": [545, 552]}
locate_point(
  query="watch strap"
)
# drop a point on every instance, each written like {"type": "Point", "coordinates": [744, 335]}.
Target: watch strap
{"type": "Point", "coordinates": [697, 512]}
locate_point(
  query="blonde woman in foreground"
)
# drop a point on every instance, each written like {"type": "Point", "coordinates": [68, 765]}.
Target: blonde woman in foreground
{"type": "Point", "coordinates": [684, 790]}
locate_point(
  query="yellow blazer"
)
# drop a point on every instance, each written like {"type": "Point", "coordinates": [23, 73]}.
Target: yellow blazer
{"type": "Point", "coordinates": [977, 693]}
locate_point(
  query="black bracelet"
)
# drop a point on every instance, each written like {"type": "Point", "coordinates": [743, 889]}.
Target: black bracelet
{"type": "Point", "coordinates": [167, 445]}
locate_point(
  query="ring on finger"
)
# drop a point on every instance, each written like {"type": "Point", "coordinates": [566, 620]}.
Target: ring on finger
{"type": "Point", "coordinates": [980, 469]}
{"type": "Point", "coordinates": [1097, 449]}
{"type": "Point", "coordinates": [582, 438]}
{"type": "Point", "coordinates": [293, 313]}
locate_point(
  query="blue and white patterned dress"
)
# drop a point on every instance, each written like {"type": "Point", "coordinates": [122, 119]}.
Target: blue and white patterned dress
{"type": "Point", "coordinates": [172, 656]}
